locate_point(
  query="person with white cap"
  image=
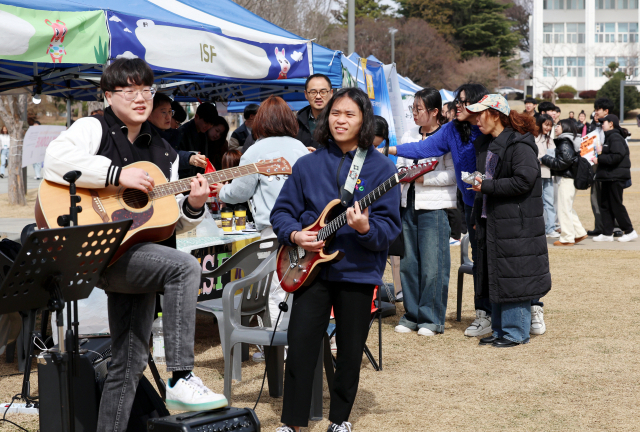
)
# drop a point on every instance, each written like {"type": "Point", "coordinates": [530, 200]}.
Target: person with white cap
{"type": "Point", "coordinates": [513, 261]}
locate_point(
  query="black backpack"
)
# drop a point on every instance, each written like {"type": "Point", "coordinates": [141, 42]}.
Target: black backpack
{"type": "Point", "coordinates": [584, 174]}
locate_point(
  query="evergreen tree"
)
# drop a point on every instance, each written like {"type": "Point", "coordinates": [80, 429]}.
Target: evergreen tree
{"type": "Point", "coordinates": [364, 9]}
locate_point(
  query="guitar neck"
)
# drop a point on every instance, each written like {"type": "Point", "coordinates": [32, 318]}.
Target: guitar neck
{"type": "Point", "coordinates": [184, 185]}
{"type": "Point", "coordinates": [337, 223]}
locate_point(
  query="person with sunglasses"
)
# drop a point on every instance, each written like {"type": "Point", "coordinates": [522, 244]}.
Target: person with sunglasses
{"type": "Point", "coordinates": [458, 138]}
{"type": "Point", "coordinates": [318, 91]}
{"type": "Point", "coordinates": [102, 147]}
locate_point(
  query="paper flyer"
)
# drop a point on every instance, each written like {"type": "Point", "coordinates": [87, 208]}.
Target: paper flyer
{"type": "Point", "coordinates": [589, 145]}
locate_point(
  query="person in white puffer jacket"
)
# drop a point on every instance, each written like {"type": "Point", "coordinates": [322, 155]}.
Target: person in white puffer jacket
{"type": "Point", "coordinates": [425, 267]}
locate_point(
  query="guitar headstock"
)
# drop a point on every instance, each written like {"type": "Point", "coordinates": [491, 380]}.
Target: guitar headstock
{"type": "Point", "coordinates": [409, 174]}
{"type": "Point", "coordinates": [269, 167]}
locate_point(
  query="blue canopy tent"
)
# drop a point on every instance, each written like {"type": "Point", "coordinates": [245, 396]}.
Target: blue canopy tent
{"type": "Point", "coordinates": [198, 50]}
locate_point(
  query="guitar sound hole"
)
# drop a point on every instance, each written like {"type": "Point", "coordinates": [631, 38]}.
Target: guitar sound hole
{"type": "Point", "coordinates": [135, 198]}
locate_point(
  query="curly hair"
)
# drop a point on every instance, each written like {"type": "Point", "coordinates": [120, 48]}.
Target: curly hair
{"type": "Point", "coordinates": [519, 122]}
{"type": "Point", "coordinates": [366, 135]}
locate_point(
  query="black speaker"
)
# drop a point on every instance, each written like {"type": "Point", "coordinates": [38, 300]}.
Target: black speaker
{"type": "Point", "coordinates": [220, 420]}
{"type": "Point", "coordinates": [92, 367]}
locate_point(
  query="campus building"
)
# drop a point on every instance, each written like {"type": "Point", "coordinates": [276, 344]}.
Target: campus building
{"type": "Point", "coordinates": [573, 41]}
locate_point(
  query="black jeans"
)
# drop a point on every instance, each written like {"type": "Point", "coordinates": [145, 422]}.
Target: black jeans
{"type": "Point", "coordinates": [309, 320]}
{"type": "Point", "coordinates": [611, 207]}
{"type": "Point", "coordinates": [455, 222]}
{"type": "Point", "coordinates": [479, 302]}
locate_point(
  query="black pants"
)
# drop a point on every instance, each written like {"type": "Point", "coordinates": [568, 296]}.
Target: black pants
{"type": "Point", "coordinates": [455, 222]}
{"type": "Point", "coordinates": [463, 223]}
{"type": "Point", "coordinates": [309, 320]}
{"type": "Point", "coordinates": [611, 208]}
{"type": "Point", "coordinates": [595, 205]}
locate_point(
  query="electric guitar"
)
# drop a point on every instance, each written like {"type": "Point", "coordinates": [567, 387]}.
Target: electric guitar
{"type": "Point", "coordinates": [297, 267]}
{"type": "Point", "coordinates": [155, 214]}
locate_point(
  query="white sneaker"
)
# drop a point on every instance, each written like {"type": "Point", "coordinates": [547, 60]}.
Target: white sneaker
{"type": "Point", "coordinates": [402, 329]}
{"type": "Point", "coordinates": [604, 238]}
{"type": "Point", "coordinates": [285, 428]}
{"type": "Point", "coordinates": [480, 326]}
{"type": "Point", "coordinates": [190, 394]}
{"type": "Point", "coordinates": [258, 357]}
{"type": "Point", "coordinates": [344, 427]}
{"type": "Point", "coordinates": [453, 242]}
{"type": "Point", "coordinates": [628, 237]}
{"type": "Point", "coordinates": [554, 234]}
{"type": "Point", "coordinates": [538, 327]}
{"type": "Point", "coordinates": [425, 332]}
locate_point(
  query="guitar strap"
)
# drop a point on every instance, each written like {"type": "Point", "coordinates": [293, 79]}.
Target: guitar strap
{"type": "Point", "coordinates": [346, 194]}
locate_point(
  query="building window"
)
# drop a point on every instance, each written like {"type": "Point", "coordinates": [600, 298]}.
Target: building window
{"type": "Point", "coordinates": [575, 67]}
{"type": "Point", "coordinates": [553, 33]}
{"type": "Point", "coordinates": [554, 4]}
{"type": "Point", "coordinates": [558, 66]}
{"type": "Point", "coordinates": [628, 65]}
{"type": "Point", "coordinates": [602, 64]}
{"type": "Point", "coordinates": [605, 32]}
{"type": "Point", "coordinates": [606, 4]}
{"type": "Point", "coordinates": [547, 69]}
{"type": "Point", "coordinates": [627, 32]}
{"type": "Point", "coordinates": [575, 4]}
{"type": "Point", "coordinates": [575, 33]}
{"type": "Point", "coordinates": [627, 4]}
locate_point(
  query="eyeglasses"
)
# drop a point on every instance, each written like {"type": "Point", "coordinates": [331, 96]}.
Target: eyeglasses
{"type": "Point", "coordinates": [130, 95]}
{"type": "Point", "coordinates": [166, 113]}
{"type": "Point", "coordinates": [418, 110]}
{"type": "Point", "coordinates": [461, 102]}
{"type": "Point", "coordinates": [314, 93]}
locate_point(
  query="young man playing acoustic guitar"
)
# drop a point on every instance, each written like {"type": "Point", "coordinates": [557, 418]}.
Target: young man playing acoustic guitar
{"type": "Point", "coordinates": [101, 148]}
{"type": "Point", "coordinates": [345, 125]}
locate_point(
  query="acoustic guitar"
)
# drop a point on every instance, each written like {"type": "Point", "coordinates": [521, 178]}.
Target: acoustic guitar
{"type": "Point", "coordinates": [155, 214]}
{"type": "Point", "coordinates": [297, 267]}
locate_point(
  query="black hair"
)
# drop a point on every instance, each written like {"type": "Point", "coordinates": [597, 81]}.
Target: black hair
{"type": "Point", "coordinates": [473, 93]}
{"type": "Point", "coordinates": [568, 126]}
{"type": "Point", "coordinates": [531, 100]}
{"type": "Point", "coordinates": [124, 72]}
{"type": "Point", "coordinates": [207, 112]}
{"type": "Point", "coordinates": [450, 105]}
{"type": "Point", "coordinates": [546, 107]}
{"type": "Point", "coordinates": [542, 119]}
{"type": "Point", "coordinates": [382, 128]}
{"type": "Point", "coordinates": [219, 120]}
{"type": "Point", "coordinates": [582, 112]}
{"type": "Point", "coordinates": [605, 104]}
{"type": "Point", "coordinates": [557, 109]}
{"type": "Point", "coordinates": [159, 99]}
{"type": "Point", "coordinates": [179, 114]}
{"type": "Point", "coordinates": [431, 99]}
{"type": "Point", "coordinates": [249, 110]}
{"type": "Point", "coordinates": [367, 130]}
{"type": "Point", "coordinates": [318, 75]}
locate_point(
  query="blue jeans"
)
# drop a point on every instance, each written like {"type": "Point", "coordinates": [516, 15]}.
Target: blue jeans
{"type": "Point", "coordinates": [4, 157]}
{"type": "Point", "coordinates": [512, 321]}
{"type": "Point", "coordinates": [478, 302]}
{"type": "Point", "coordinates": [549, 209]}
{"type": "Point", "coordinates": [425, 268]}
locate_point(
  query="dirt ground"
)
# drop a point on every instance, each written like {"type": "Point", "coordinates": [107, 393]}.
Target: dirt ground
{"type": "Point", "coordinates": [583, 374]}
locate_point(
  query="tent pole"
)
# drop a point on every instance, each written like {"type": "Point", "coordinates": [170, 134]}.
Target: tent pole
{"type": "Point", "coordinates": [68, 112]}
{"type": "Point", "coordinates": [351, 21]}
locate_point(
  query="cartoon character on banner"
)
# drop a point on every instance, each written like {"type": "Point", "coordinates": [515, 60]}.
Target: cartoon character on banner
{"type": "Point", "coordinates": [56, 49]}
{"type": "Point", "coordinates": [284, 64]}
{"type": "Point", "coordinates": [209, 259]}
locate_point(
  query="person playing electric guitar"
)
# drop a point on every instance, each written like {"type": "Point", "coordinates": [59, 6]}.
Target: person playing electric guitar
{"type": "Point", "coordinates": [345, 126]}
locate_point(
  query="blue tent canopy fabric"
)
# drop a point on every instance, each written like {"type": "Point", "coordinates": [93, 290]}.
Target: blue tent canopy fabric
{"type": "Point", "coordinates": [254, 58]}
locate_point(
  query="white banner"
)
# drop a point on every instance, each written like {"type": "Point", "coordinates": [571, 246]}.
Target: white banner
{"type": "Point", "coordinates": [36, 141]}
{"type": "Point", "coordinates": [395, 97]}
{"type": "Point", "coordinates": [407, 113]}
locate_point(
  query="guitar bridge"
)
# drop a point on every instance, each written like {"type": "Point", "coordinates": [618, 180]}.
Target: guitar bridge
{"type": "Point", "coordinates": [295, 255]}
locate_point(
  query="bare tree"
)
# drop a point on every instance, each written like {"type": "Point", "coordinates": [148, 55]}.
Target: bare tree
{"type": "Point", "coordinates": [306, 18]}
{"type": "Point", "coordinates": [13, 111]}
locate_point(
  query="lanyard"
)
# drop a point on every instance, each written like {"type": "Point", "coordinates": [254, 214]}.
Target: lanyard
{"type": "Point", "coordinates": [352, 177]}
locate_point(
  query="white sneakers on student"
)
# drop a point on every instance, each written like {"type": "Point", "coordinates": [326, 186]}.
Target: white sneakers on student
{"type": "Point", "coordinates": [344, 427]}
{"type": "Point", "coordinates": [554, 234]}
{"type": "Point", "coordinates": [538, 327]}
{"type": "Point", "coordinates": [402, 329]}
{"type": "Point", "coordinates": [604, 238]}
{"type": "Point", "coordinates": [480, 326]}
{"type": "Point", "coordinates": [190, 394]}
{"type": "Point", "coordinates": [628, 237]}
{"type": "Point", "coordinates": [285, 428]}
{"type": "Point", "coordinates": [425, 332]}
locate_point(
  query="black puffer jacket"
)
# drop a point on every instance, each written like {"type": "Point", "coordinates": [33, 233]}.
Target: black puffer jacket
{"type": "Point", "coordinates": [614, 163]}
{"type": "Point", "coordinates": [304, 133]}
{"type": "Point", "coordinates": [564, 164]}
{"type": "Point", "coordinates": [513, 261]}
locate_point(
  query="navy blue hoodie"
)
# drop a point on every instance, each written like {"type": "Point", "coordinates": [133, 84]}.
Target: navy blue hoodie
{"type": "Point", "coordinates": [316, 180]}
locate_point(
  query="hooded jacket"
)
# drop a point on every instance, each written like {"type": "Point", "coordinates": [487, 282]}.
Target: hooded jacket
{"type": "Point", "coordinates": [513, 262]}
{"type": "Point", "coordinates": [614, 163]}
{"type": "Point", "coordinates": [304, 133]}
{"type": "Point", "coordinates": [564, 164]}
{"type": "Point", "coordinates": [315, 181]}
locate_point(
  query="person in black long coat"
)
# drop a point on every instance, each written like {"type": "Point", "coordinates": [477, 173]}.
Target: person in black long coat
{"type": "Point", "coordinates": [513, 262]}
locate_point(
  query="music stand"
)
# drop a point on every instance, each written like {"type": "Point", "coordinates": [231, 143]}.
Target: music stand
{"type": "Point", "coordinates": [56, 266]}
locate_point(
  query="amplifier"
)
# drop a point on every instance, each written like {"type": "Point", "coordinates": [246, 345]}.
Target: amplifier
{"type": "Point", "coordinates": [220, 420]}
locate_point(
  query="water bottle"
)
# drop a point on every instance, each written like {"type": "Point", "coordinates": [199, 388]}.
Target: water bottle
{"type": "Point", "coordinates": [158, 340]}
